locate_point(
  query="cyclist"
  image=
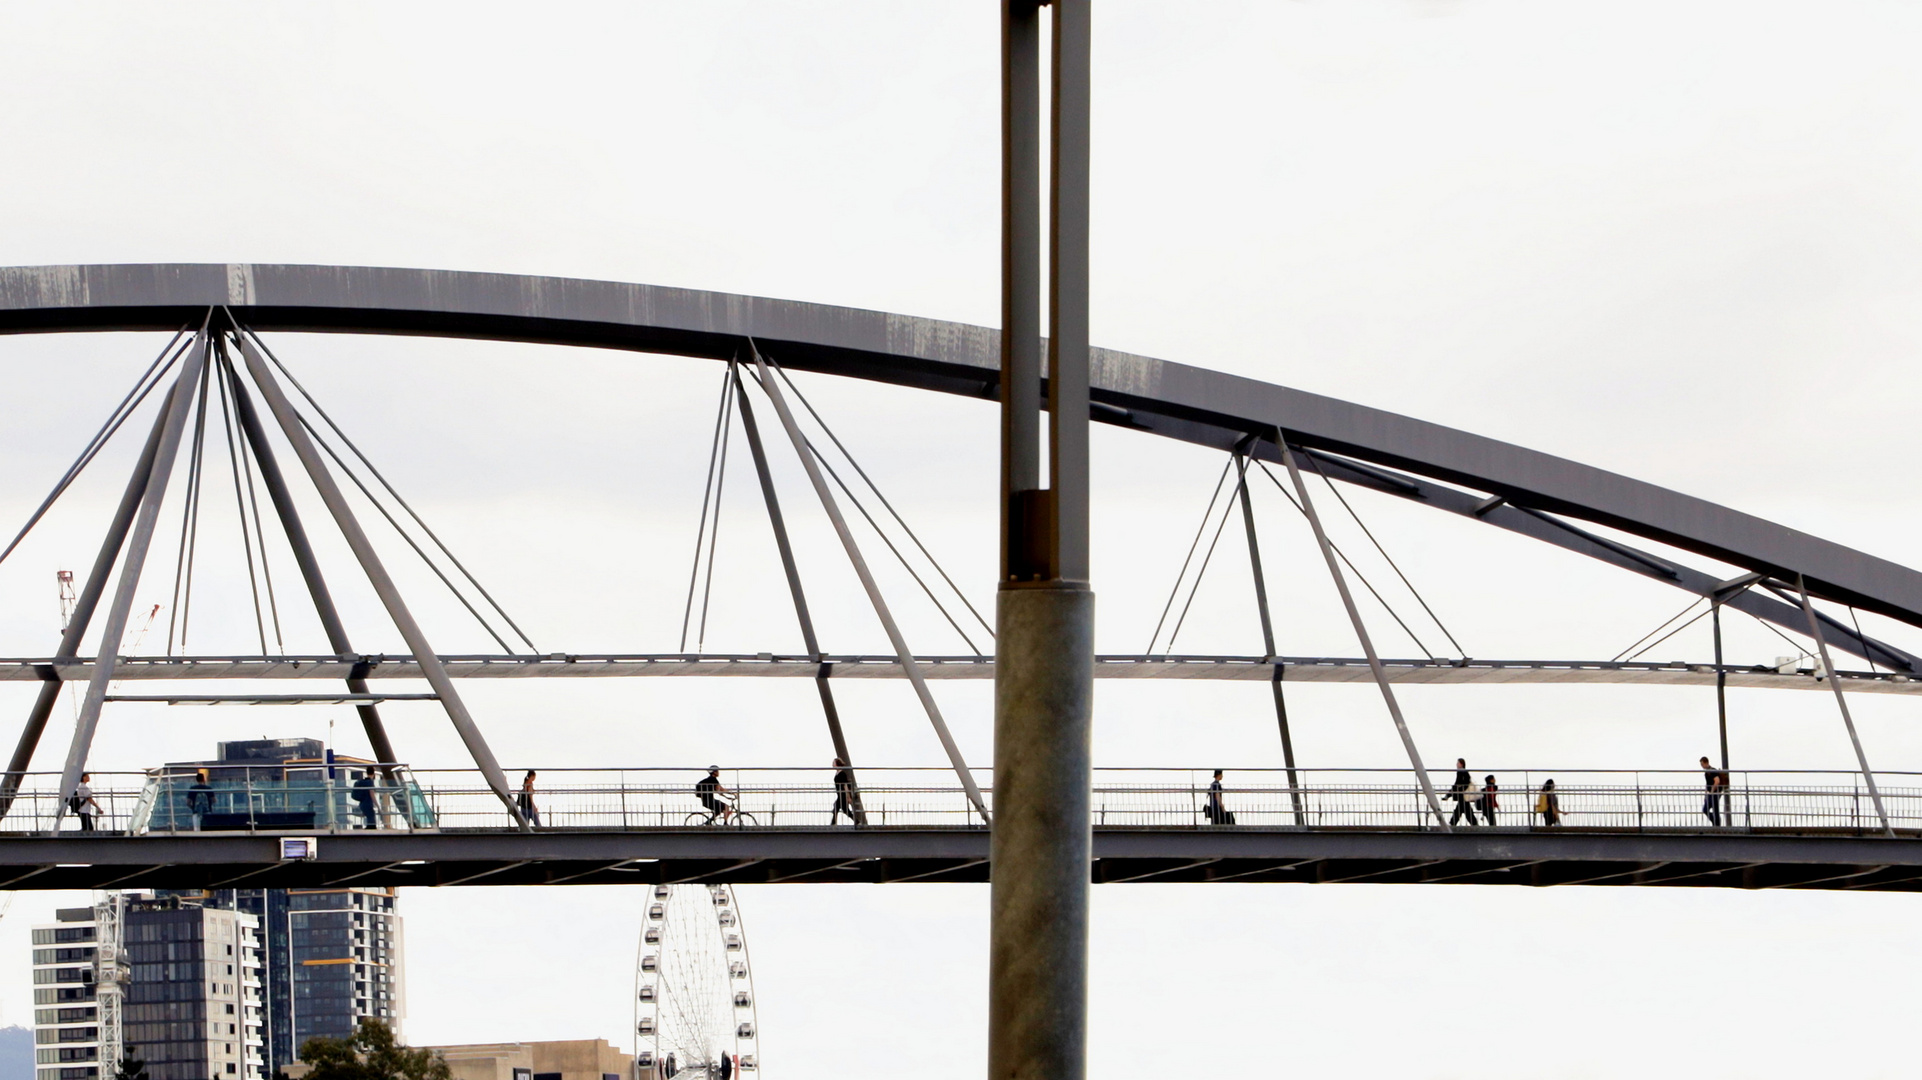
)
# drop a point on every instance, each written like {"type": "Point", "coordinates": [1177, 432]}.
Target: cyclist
{"type": "Point", "coordinates": [713, 795]}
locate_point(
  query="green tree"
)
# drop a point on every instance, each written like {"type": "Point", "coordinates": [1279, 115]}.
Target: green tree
{"type": "Point", "coordinates": [131, 1067]}
{"type": "Point", "coordinates": [371, 1054]}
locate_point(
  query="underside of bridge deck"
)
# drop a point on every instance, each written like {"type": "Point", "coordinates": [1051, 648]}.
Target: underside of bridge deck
{"type": "Point", "coordinates": [1735, 859]}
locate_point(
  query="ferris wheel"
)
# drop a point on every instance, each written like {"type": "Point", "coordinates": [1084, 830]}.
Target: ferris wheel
{"type": "Point", "coordinates": [694, 1014]}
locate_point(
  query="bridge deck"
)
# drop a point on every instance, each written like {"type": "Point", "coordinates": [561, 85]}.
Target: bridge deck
{"type": "Point", "coordinates": [1778, 830]}
{"type": "Point", "coordinates": [1293, 669]}
{"type": "Point", "coordinates": [1731, 858]}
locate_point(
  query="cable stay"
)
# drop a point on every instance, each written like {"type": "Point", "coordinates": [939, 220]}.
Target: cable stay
{"type": "Point", "coordinates": [1350, 563]}
{"type": "Point", "coordinates": [875, 525]}
{"type": "Point", "coordinates": [393, 493]}
{"type": "Point", "coordinates": [143, 386]}
{"type": "Point", "coordinates": [1666, 623]}
{"type": "Point", "coordinates": [872, 486]}
{"type": "Point", "coordinates": [1392, 565]}
{"type": "Point", "coordinates": [706, 538]}
{"type": "Point", "coordinates": [244, 476]}
{"type": "Point", "coordinates": [1188, 559]}
{"type": "Point", "coordinates": [1227, 511]}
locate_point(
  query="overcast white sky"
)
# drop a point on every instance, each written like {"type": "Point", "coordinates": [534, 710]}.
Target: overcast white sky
{"type": "Point", "coordinates": [1677, 240]}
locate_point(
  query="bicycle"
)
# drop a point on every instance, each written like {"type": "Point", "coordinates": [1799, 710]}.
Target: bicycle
{"type": "Point", "coordinates": [704, 818]}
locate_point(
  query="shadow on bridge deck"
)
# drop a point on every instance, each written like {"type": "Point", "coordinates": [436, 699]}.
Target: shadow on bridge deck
{"type": "Point", "coordinates": [1733, 858]}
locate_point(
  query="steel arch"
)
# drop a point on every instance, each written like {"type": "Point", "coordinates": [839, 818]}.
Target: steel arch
{"type": "Point", "coordinates": [1161, 397]}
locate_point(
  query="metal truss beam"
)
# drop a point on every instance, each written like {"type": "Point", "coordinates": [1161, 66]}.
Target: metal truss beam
{"type": "Point", "coordinates": [1156, 396]}
{"type": "Point", "coordinates": [1316, 669]}
{"type": "Point", "coordinates": [1838, 861]}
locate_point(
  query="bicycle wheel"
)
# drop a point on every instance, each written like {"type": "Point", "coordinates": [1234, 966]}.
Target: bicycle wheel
{"type": "Point", "coordinates": [744, 820]}
{"type": "Point", "coordinates": [696, 820]}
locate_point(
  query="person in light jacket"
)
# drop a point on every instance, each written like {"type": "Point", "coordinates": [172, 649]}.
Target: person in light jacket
{"type": "Point", "coordinates": [1549, 805]}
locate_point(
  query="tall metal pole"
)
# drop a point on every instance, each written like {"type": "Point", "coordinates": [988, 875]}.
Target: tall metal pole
{"type": "Point", "coordinates": [330, 622]}
{"type": "Point", "coordinates": [1268, 634]}
{"type": "Point", "coordinates": [83, 608]}
{"type": "Point", "coordinates": [1361, 633]}
{"type": "Point", "coordinates": [1842, 703]}
{"type": "Point", "coordinates": [424, 655]}
{"type": "Point", "coordinates": [1044, 640]}
{"type": "Point", "coordinates": [135, 559]}
{"type": "Point", "coordinates": [773, 502]}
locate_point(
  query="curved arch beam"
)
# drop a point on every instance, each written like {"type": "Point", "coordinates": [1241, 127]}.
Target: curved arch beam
{"type": "Point", "coordinates": [1175, 400]}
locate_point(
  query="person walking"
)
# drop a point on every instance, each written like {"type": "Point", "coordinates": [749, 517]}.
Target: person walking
{"type": "Point", "coordinates": [1462, 791]}
{"type": "Point", "coordinates": [1214, 809]}
{"type": "Point", "coordinates": [525, 800]}
{"type": "Point", "coordinates": [364, 799]}
{"type": "Point", "coordinates": [712, 795]}
{"type": "Point", "coordinates": [1549, 805]}
{"type": "Point", "coordinates": [843, 794]}
{"type": "Point", "coordinates": [1715, 797]}
{"type": "Point", "coordinates": [200, 798]}
{"type": "Point", "coordinates": [1490, 801]}
{"type": "Point", "coordinates": [82, 802]}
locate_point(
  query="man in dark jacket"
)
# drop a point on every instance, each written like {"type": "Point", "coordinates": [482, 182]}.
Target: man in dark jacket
{"type": "Point", "coordinates": [1459, 791]}
{"type": "Point", "coordinates": [843, 794]}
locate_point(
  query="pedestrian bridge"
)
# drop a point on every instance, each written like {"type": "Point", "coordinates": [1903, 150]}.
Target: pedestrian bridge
{"type": "Point", "coordinates": [295, 469]}
{"type": "Point", "coordinates": [1781, 829]}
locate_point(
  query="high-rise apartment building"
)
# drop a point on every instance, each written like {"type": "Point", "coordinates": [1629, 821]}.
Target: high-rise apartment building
{"type": "Point", "coordinates": [178, 985]}
{"type": "Point", "coordinates": [334, 960]}
{"type": "Point", "coordinates": [194, 1004]}
{"type": "Point", "coordinates": [66, 1007]}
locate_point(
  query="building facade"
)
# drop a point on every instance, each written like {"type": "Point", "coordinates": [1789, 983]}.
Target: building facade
{"type": "Point", "coordinates": [569, 1059]}
{"type": "Point", "coordinates": [195, 1001]}
{"type": "Point", "coordinates": [66, 1008]}
{"type": "Point", "coordinates": [342, 964]}
{"type": "Point", "coordinates": [172, 980]}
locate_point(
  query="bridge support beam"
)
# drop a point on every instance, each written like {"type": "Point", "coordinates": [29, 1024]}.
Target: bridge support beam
{"type": "Point", "coordinates": [290, 524]}
{"type": "Point", "coordinates": [1268, 634]}
{"type": "Point", "coordinates": [83, 608]}
{"type": "Point", "coordinates": [909, 666]}
{"type": "Point", "coordinates": [115, 627]}
{"type": "Point", "coordinates": [1842, 703]}
{"type": "Point", "coordinates": [1041, 849]}
{"type": "Point", "coordinates": [1361, 631]}
{"type": "Point", "coordinates": [772, 500]}
{"type": "Point", "coordinates": [431, 667]}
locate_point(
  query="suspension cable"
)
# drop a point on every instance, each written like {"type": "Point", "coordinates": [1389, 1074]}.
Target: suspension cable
{"type": "Point", "coordinates": [855, 499]}
{"type": "Point", "coordinates": [1800, 652]}
{"type": "Point", "coordinates": [395, 494]}
{"type": "Point", "coordinates": [141, 388]}
{"type": "Point", "coordinates": [189, 522]}
{"type": "Point", "coordinates": [1175, 589]}
{"type": "Point", "coordinates": [240, 508]}
{"type": "Point", "coordinates": [1365, 531]}
{"type": "Point", "coordinates": [1869, 654]}
{"type": "Point", "coordinates": [1227, 511]}
{"type": "Point", "coordinates": [714, 534]}
{"type": "Point", "coordinates": [377, 505]}
{"type": "Point", "coordinates": [1703, 614]}
{"type": "Point", "coordinates": [253, 493]}
{"type": "Point", "coordinates": [1664, 625]}
{"type": "Point", "coordinates": [936, 563]}
{"type": "Point", "coordinates": [1350, 563]}
{"type": "Point", "coordinates": [707, 492]}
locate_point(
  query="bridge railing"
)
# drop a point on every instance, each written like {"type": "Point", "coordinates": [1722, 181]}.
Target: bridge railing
{"type": "Point", "coordinates": [780, 798]}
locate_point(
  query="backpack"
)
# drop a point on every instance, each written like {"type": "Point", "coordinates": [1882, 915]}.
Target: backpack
{"type": "Point", "coordinates": [1541, 803]}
